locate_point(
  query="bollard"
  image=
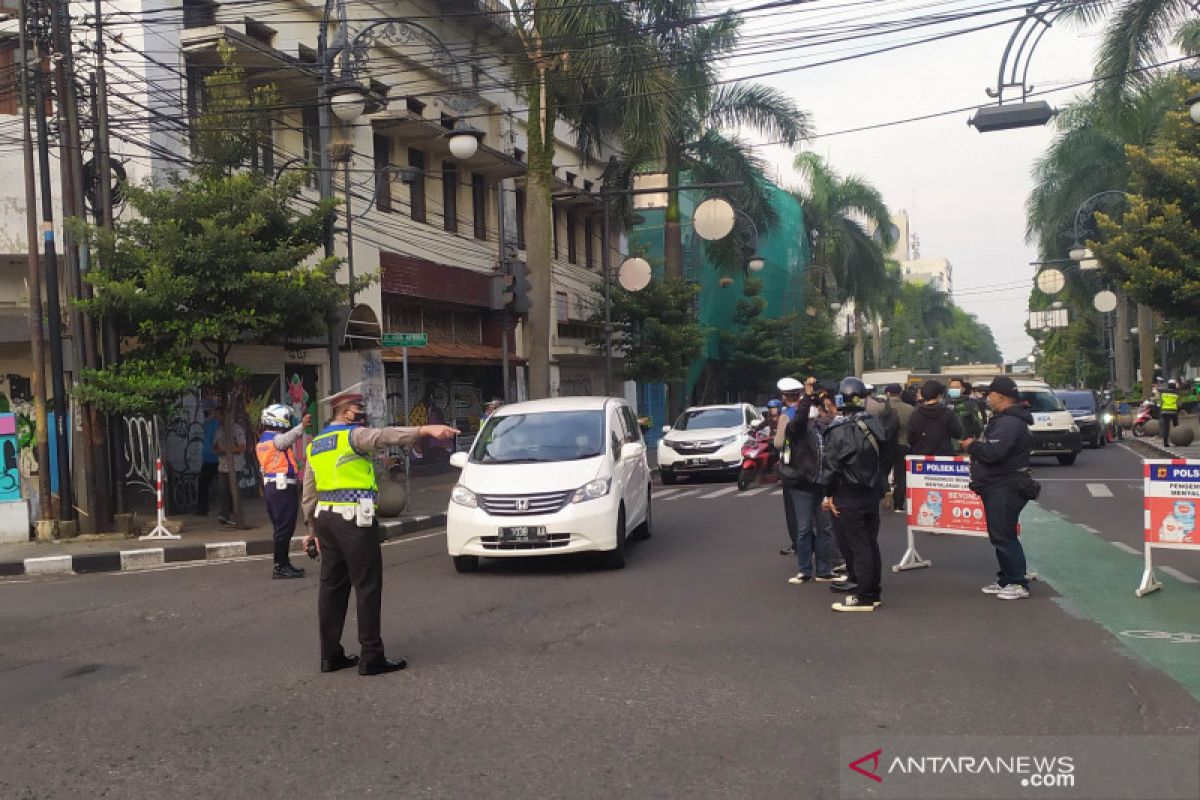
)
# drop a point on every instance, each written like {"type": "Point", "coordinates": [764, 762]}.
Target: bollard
{"type": "Point", "coordinates": [160, 530]}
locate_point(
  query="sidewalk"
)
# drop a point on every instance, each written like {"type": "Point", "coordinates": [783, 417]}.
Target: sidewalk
{"type": "Point", "coordinates": [1155, 446]}
{"type": "Point", "coordinates": [205, 539]}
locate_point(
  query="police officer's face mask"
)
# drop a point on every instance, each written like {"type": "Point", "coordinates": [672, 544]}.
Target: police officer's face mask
{"type": "Point", "coordinates": [359, 417]}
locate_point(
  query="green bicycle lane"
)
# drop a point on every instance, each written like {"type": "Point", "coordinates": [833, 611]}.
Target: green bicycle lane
{"type": "Point", "coordinates": [1097, 581]}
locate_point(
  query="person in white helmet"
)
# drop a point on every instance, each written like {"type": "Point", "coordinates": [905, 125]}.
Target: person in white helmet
{"type": "Point", "coordinates": [790, 390]}
{"type": "Point", "coordinates": [281, 481]}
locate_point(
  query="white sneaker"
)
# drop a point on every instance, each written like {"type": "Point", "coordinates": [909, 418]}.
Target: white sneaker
{"type": "Point", "coordinates": [1014, 591]}
{"type": "Point", "coordinates": [799, 578]}
{"type": "Point", "coordinates": [993, 588]}
{"type": "Point", "coordinates": [853, 603]}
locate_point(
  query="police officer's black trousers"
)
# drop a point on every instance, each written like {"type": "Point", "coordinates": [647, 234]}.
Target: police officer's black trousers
{"type": "Point", "coordinates": [1166, 419]}
{"type": "Point", "coordinates": [282, 505]}
{"type": "Point", "coordinates": [350, 556]}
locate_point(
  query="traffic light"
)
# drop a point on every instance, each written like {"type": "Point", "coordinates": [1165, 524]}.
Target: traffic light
{"type": "Point", "coordinates": [522, 292]}
{"type": "Point", "coordinates": [500, 292]}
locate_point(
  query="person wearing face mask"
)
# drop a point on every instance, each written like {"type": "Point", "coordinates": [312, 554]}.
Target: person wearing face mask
{"type": "Point", "coordinates": [966, 408]}
{"type": "Point", "coordinates": [933, 427]}
{"type": "Point", "coordinates": [801, 467]}
{"type": "Point", "coordinates": [339, 509]}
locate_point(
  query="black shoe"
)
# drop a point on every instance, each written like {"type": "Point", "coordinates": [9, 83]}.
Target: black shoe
{"type": "Point", "coordinates": [287, 571]}
{"type": "Point", "coordinates": [791, 551]}
{"type": "Point", "coordinates": [387, 665]}
{"type": "Point", "coordinates": [341, 662]}
{"type": "Point", "coordinates": [843, 586]}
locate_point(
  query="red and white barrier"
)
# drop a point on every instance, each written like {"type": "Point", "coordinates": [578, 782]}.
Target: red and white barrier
{"type": "Point", "coordinates": [1171, 495]}
{"type": "Point", "coordinates": [160, 530]}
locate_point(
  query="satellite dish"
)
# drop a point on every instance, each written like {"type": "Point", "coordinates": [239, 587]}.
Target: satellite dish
{"type": "Point", "coordinates": [1105, 301]}
{"type": "Point", "coordinates": [713, 219]}
{"type": "Point", "coordinates": [1051, 281]}
{"type": "Point", "coordinates": [634, 274]}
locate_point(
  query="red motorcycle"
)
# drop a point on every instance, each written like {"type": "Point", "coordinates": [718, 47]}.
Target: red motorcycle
{"type": "Point", "coordinates": [1146, 412]}
{"type": "Point", "coordinates": [758, 458]}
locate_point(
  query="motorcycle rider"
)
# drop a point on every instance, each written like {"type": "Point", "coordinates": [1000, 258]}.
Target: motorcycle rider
{"type": "Point", "coordinates": [853, 446]}
{"type": "Point", "coordinates": [1169, 410]}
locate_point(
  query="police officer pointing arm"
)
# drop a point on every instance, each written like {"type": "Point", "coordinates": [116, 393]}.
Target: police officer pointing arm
{"type": "Point", "coordinates": [339, 509]}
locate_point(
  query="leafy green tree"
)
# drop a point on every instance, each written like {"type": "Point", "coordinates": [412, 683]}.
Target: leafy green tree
{"type": "Point", "coordinates": [213, 259]}
{"type": "Point", "coordinates": [655, 330]}
{"type": "Point", "coordinates": [811, 346]}
{"type": "Point", "coordinates": [752, 354]}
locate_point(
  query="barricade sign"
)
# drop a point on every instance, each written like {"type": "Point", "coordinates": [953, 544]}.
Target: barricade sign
{"type": "Point", "coordinates": [939, 500]}
{"type": "Point", "coordinates": [1171, 493]}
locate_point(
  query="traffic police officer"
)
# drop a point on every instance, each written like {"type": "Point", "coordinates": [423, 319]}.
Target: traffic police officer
{"type": "Point", "coordinates": [339, 509]}
{"type": "Point", "coordinates": [280, 479]}
{"type": "Point", "coordinates": [1169, 412]}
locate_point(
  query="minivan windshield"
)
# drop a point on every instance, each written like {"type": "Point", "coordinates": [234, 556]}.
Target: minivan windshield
{"type": "Point", "coordinates": [542, 436]}
{"type": "Point", "coordinates": [695, 419]}
{"type": "Point", "coordinates": [1078, 401]}
{"type": "Point", "coordinates": [1041, 400]}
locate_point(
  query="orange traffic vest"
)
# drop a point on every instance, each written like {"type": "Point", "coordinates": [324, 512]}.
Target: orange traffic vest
{"type": "Point", "coordinates": [271, 460]}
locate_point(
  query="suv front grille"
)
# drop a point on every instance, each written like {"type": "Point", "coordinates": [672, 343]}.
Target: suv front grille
{"type": "Point", "coordinates": [553, 540]}
{"type": "Point", "coordinates": [695, 448]}
{"type": "Point", "coordinates": [520, 505]}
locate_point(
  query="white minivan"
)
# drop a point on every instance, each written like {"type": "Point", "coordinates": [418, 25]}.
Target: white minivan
{"type": "Point", "coordinates": [564, 475]}
{"type": "Point", "coordinates": [1054, 430]}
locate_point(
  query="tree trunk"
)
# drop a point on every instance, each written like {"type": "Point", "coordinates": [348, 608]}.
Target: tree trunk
{"type": "Point", "coordinates": [539, 230]}
{"type": "Point", "coordinates": [876, 343]}
{"type": "Point", "coordinates": [228, 444]}
{"type": "Point", "coordinates": [859, 349]}
{"type": "Point", "coordinates": [1122, 357]}
{"type": "Point", "coordinates": [1145, 326]}
{"type": "Point", "coordinates": [672, 231]}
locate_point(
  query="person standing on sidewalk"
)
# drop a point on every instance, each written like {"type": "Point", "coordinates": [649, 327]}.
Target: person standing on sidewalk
{"type": "Point", "coordinates": [899, 468]}
{"type": "Point", "coordinates": [1169, 410]}
{"type": "Point", "coordinates": [339, 510]}
{"type": "Point", "coordinates": [1000, 476]}
{"type": "Point", "coordinates": [208, 458]}
{"type": "Point", "coordinates": [280, 481]}
{"type": "Point", "coordinates": [233, 462]}
{"type": "Point", "coordinates": [854, 446]}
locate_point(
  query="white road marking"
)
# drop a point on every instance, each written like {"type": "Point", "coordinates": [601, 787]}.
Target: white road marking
{"type": "Point", "coordinates": [777, 493]}
{"type": "Point", "coordinates": [665, 493]}
{"type": "Point", "coordinates": [682, 494]}
{"type": "Point", "coordinates": [1089, 529]}
{"type": "Point", "coordinates": [1133, 551]}
{"type": "Point", "coordinates": [718, 493]}
{"type": "Point", "coordinates": [752, 492]}
{"type": "Point", "coordinates": [1099, 490]}
{"type": "Point", "coordinates": [1181, 576]}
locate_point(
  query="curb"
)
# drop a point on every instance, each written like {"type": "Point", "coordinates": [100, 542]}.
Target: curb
{"type": "Point", "coordinates": [1153, 446]}
{"type": "Point", "coordinates": [141, 558]}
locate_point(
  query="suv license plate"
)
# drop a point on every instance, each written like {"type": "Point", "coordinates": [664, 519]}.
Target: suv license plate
{"type": "Point", "coordinates": [524, 533]}
{"type": "Point", "coordinates": [697, 462]}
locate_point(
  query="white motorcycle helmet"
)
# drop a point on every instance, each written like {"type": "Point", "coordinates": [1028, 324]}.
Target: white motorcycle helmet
{"type": "Point", "coordinates": [277, 415]}
{"type": "Point", "coordinates": [789, 386]}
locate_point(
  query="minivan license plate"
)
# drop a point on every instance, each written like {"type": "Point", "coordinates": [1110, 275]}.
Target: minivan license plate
{"type": "Point", "coordinates": [523, 533]}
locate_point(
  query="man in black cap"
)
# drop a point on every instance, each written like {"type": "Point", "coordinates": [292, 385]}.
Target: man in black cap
{"type": "Point", "coordinates": [339, 508]}
{"type": "Point", "coordinates": [999, 470]}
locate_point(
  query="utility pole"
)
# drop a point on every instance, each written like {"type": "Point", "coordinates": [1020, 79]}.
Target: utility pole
{"type": "Point", "coordinates": [36, 341]}
{"type": "Point", "coordinates": [104, 217]}
{"type": "Point", "coordinates": [66, 494]}
{"type": "Point", "coordinates": [325, 179]}
{"type": "Point", "coordinates": [505, 269]}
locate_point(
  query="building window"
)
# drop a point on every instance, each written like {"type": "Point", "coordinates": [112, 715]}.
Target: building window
{"type": "Point", "coordinates": [572, 252]}
{"type": "Point", "coordinates": [562, 307]}
{"type": "Point", "coordinates": [263, 156]}
{"type": "Point", "coordinates": [588, 235]}
{"type": "Point", "coordinates": [306, 54]}
{"type": "Point", "coordinates": [448, 122]}
{"type": "Point", "coordinates": [9, 85]}
{"type": "Point", "coordinates": [571, 176]}
{"type": "Point", "coordinates": [310, 122]}
{"type": "Point", "coordinates": [479, 204]}
{"type": "Point", "coordinates": [476, 76]}
{"type": "Point", "coordinates": [199, 13]}
{"type": "Point", "coordinates": [518, 154]}
{"type": "Point", "coordinates": [383, 172]}
{"type": "Point", "coordinates": [450, 196]}
{"type": "Point", "coordinates": [520, 193]}
{"type": "Point", "coordinates": [259, 32]}
{"type": "Point", "coordinates": [588, 186]}
{"type": "Point", "coordinates": [554, 227]}
{"type": "Point", "coordinates": [414, 106]}
{"type": "Point", "coordinates": [416, 189]}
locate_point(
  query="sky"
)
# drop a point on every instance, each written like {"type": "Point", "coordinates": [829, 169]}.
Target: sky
{"type": "Point", "coordinates": [964, 191]}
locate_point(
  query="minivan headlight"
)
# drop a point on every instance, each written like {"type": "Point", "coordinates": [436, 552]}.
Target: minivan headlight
{"type": "Point", "coordinates": [1086, 418]}
{"type": "Point", "coordinates": [464, 497]}
{"type": "Point", "coordinates": [592, 490]}
{"type": "Point", "coordinates": [1074, 428]}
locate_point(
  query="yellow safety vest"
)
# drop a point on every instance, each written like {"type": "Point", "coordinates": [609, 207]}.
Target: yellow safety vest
{"type": "Point", "coordinates": [1170, 401]}
{"type": "Point", "coordinates": [342, 474]}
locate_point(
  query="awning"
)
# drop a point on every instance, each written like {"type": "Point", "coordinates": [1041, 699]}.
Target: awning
{"type": "Point", "coordinates": [441, 352]}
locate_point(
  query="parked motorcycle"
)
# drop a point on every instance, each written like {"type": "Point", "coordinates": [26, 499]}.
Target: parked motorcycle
{"type": "Point", "coordinates": [1146, 412]}
{"type": "Point", "coordinates": [758, 458]}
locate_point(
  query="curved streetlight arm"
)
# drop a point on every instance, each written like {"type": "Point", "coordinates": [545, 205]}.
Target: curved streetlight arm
{"type": "Point", "coordinates": [1089, 206]}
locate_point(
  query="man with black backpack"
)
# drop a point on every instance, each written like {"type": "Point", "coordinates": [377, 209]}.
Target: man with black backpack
{"type": "Point", "coordinates": [854, 461]}
{"type": "Point", "coordinates": [802, 470]}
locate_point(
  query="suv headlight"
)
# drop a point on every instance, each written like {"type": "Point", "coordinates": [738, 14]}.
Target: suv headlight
{"type": "Point", "coordinates": [726, 440]}
{"type": "Point", "coordinates": [1086, 418]}
{"type": "Point", "coordinates": [1108, 417]}
{"type": "Point", "coordinates": [464, 497]}
{"type": "Point", "coordinates": [671, 443]}
{"type": "Point", "coordinates": [592, 490]}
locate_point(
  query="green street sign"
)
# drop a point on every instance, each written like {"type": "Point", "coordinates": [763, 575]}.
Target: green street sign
{"type": "Point", "coordinates": [405, 339]}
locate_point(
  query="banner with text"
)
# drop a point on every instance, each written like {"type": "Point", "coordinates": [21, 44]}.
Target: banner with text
{"type": "Point", "coordinates": [1172, 493]}
{"type": "Point", "coordinates": [939, 497]}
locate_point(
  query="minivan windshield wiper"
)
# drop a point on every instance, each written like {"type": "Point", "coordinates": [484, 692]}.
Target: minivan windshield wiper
{"type": "Point", "coordinates": [518, 460]}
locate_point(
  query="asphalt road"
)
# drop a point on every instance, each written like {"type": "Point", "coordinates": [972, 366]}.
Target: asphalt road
{"type": "Point", "coordinates": [695, 672]}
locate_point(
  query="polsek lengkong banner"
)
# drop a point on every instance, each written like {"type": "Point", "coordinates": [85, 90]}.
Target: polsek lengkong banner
{"type": "Point", "coordinates": [939, 497]}
{"type": "Point", "coordinates": [1172, 494]}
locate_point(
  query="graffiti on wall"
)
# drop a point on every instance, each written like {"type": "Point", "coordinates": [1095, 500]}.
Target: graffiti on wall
{"type": "Point", "coordinates": [10, 474]}
{"type": "Point", "coordinates": [374, 396]}
{"type": "Point", "coordinates": [142, 450]}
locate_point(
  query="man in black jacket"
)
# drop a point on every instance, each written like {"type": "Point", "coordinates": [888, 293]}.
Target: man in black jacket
{"type": "Point", "coordinates": [997, 459]}
{"type": "Point", "coordinates": [854, 488]}
{"type": "Point", "coordinates": [933, 426]}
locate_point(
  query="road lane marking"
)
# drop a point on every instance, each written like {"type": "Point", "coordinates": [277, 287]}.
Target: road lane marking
{"type": "Point", "coordinates": [777, 493]}
{"type": "Point", "coordinates": [1177, 575]}
{"type": "Point", "coordinates": [1133, 551]}
{"type": "Point", "coordinates": [752, 492]}
{"type": "Point", "coordinates": [718, 493]}
{"type": "Point", "coordinates": [664, 493]}
{"type": "Point", "coordinates": [1099, 490]}
{"type": "Point", "coordinates": [1089, 529]}
{"type": "Point", "coordinates": [682, 494]}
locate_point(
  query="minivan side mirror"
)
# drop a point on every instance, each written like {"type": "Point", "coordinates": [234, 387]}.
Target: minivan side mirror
{"type": "Point", "coordinates": [632, 450]}
{"type": "Point", "coordinates": [459, 460]}
{"type": "Point", "coordinates": [666, 428]}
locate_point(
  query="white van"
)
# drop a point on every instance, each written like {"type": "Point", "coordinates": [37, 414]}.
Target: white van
{"type": "Point", "coordinates": [564, 475]}
{"type": "Point", "coordinates": [1054, 430]}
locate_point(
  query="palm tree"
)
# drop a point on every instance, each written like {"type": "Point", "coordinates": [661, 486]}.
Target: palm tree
{"type": "Point", "coordinates": [705, 107]}
{"type": "Point", "coordinates": [837, 210]}
{"type": "Point", "coordinates": [1138, 32]}
{"type": "Point", "coordinates": [592, 64]}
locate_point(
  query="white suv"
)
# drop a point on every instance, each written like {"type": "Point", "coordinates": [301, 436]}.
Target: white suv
{"type": "Point", "coordinates": [706, 440]}
{"type": "Point", "coordinates": [564, 475]}
{"type": "Point", "coordinates": [1054, 430]}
